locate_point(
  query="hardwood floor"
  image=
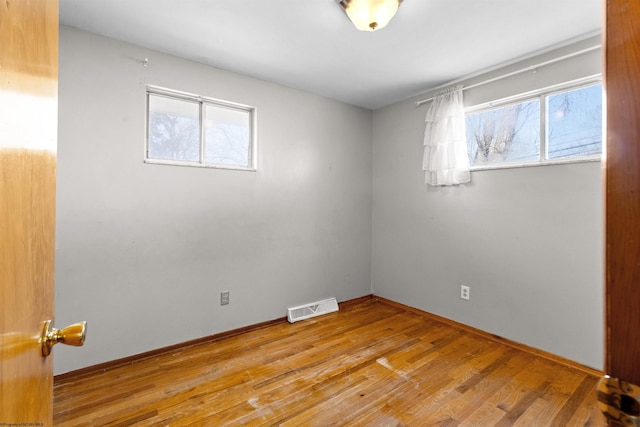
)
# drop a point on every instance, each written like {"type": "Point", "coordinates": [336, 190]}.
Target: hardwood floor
{"type": "Point", "coordinates": [371, 364]}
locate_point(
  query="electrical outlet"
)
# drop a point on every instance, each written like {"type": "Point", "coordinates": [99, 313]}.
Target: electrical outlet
{"type": "Point", "coordinates": [224, 298]}
{"type": "Point", "coordinates": [464, 292]}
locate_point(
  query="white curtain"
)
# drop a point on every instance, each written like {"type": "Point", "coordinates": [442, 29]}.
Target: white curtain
{"type": "Point", "coordinates": [445, 143]}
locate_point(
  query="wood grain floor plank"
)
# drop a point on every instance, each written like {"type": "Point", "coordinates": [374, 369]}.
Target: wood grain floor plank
{"type": "Point", "coordinates": [485, 415]}
{"type": "Point", "coordinates": [372, 364]}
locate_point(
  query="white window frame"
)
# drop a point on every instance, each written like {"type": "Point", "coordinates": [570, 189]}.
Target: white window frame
{"type": "Point", "coordinates": [203, 101]}
{"type": "Point", "coordinates": [540, 95]}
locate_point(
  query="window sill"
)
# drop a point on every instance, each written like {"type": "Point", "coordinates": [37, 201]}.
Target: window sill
{"type": "Point", "coordinates": [199, 165]}
{"type": "Point", "coordinates": [531, 164]}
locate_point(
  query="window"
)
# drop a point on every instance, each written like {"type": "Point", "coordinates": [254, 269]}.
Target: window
{"type": "Point", "coordinates": [190, 130]}
{"type": "Point", "coordinates": [549, 127]}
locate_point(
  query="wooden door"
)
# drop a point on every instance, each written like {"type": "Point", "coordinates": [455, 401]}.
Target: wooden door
{"type": "Point", "coordinates": [28, 136]}
{"type": "Point", "coordinates": [622, 189]}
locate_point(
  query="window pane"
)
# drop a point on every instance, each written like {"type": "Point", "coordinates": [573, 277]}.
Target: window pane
{"type": "Point", "coordinates": [174, 129]}
{"type": "Point", "coordinates": [574, 126]}
{"type": "Point", "coordinates": [227, 136]}
{"type": "Point", "coordinates": [509, 134]}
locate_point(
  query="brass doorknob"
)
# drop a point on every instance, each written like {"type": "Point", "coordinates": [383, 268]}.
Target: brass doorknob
{"type": "Point", "coordinates": [71, 335]}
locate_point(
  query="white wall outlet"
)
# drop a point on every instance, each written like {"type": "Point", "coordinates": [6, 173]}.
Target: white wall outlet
{"type": "Point", "coordinates": [224, 298]}
{"type": "Point", "coordinates": [464, 292]}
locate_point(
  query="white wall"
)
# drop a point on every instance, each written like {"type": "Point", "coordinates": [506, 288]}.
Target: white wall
{"type": "Point", "coordinates": [143, 251]}
{"type": "Point", "coordinates": [527, 241]}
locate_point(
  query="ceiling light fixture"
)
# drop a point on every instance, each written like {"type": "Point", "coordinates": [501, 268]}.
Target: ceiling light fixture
{"type": "Point", "coordinates": [370, 15]}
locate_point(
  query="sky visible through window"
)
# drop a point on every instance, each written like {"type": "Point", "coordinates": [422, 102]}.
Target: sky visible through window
{"type": "Point", "coordinates": [574, 125]}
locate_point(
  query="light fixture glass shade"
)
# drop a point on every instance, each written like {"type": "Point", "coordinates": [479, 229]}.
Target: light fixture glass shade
{"type": "Point", "coordinates": [370, 15]}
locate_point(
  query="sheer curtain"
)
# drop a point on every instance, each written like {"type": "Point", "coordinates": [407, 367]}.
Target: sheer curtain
{"type": "Point", "coordinates": [445, 144]}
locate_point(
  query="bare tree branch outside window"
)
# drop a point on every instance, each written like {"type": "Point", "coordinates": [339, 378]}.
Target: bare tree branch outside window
{"type": "Point", "coordinates": [173, 137]}
{"type": "Point", "coordinates": [511, 134]}
{"type": "Point", "coordinates": [504, 135]}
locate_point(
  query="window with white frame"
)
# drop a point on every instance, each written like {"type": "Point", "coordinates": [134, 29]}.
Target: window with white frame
{"type": "Point", "coordinates": [190, 130]}
{"type": "Point", "coordinates": [554, 126]}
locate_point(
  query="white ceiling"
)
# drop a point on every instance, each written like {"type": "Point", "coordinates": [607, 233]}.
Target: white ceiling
{"type": "Point", "coordinates": [311, 45]}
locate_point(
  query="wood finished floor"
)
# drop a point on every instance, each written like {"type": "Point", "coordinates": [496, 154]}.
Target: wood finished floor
{"type": "Point", "coordinates": [370, 364]}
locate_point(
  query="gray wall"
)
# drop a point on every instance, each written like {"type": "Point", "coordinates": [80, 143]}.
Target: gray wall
{"type": "Point", "coordinates": [143, 251]}
{"type": "Point", "coordinates": [527, 241]}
